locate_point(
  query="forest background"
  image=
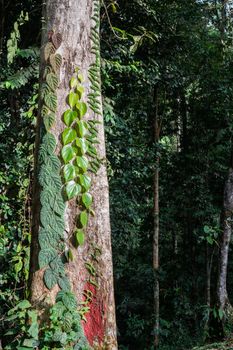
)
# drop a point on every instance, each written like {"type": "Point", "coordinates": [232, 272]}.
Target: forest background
{"type": "Point", "coordinates": [170, 59]}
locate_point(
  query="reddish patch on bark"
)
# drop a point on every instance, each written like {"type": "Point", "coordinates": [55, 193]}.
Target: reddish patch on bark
{"type": "Point", "coordinates": [94, 327]}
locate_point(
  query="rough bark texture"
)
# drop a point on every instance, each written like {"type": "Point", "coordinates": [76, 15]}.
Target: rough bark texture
{"type": "Point", "coordinates": [224, 245]}
{"type": "Point", "coordinates": [72, 19]}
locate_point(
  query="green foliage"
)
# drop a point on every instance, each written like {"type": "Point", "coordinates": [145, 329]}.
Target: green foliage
{"type": "Point", "coordinates": [63, 329]}
{"type": "Point", "coordinates": [12, 43]}
{"type": "Point", "coordinates": [51, 234]}
{"type": "Point", "coordinates": [23, 325]}
{"type": "Point", "coordinates": [75, 145]}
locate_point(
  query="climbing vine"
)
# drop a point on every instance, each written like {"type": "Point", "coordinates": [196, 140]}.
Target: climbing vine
{"type": "Point", "coordinates": [51, 234]}
{"type": "Point", "coordinates": [60, 183]}
{"type": "Point", "coordinates": [78, 140]}
{"type": "Point", "coordinates": [94, 97]}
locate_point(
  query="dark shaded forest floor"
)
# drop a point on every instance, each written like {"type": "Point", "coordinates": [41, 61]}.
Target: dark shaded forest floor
{"type": "Point", "coordinates": [228, 345]}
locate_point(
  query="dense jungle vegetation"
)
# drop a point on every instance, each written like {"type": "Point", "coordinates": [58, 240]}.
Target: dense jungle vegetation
{"type": "Point", "coordinates": [167, 88]}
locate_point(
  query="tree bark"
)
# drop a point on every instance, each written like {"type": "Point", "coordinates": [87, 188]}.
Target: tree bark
{"type": "Point", "coordinates": [223, 300]}
{"type": "Point", "coordinates": [72, 19]}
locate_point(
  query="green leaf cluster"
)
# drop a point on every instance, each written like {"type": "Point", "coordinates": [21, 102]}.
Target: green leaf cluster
{"type": "Point", "coordinates": [51, 233]}
{"type": "Point", "coordinates": [50, 84]}
{"type": "Point", "coordinates": [77, 139]}
{"type": "Point", "coordinates": [51, 238]}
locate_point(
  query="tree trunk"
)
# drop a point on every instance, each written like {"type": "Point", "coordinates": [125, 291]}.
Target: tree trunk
{"type": "Point", "coordinates": [156, 227]}
{"type": "Point", "coordinates": [223, 300]}
{"type": "Point", "coordinates": [72, 19]}
{"type": "Point", "coordinates": [2, 22]}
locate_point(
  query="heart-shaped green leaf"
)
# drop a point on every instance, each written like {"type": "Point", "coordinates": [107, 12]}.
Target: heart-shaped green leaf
{"type": "Point", "coordinates": [73, 99]}
{"type": "Point", "coordinates": [82, 145]}
{"type": "Point", "coordinates": [68, 152]}
{"type": "Point", "coordinates": [85, 181]}
{"type": "Point", "coordinates": [83, 218]}
{"type": "Point", "coordinates": [72, 189]}
{"type": "Point", "coordinates": [82, 108]}
{"type": "Point", "coordinates": [81, 128]}
{"type": "Point", "coordinates": [87, 200]}
{"type": "Point", "coordinates": [68, 136]}
{"type": "Point", "coordinates": [80, 78]}
{"type": "Point", "coordinates": [80, 237]}
{"type": "Point", "coordinates": [70, 116]}
{"type": "Point", "coordinates": [69, 172]}
{"type": "Point", "coordinates": [82, 162]}
{"type": "Point", "coordinates": [80, 90]}
{"type": "Point", "coordinates": [73, 82]}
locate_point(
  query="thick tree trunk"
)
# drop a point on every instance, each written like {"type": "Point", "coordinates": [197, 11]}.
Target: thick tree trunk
{"type": "Point", "coordinates": [223, 300]}
{"type": "Point", "coordinates": [72, 19]}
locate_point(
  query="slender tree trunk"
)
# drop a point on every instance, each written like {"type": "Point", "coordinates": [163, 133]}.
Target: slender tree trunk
{"type": "Point", "coordinates": [224, 4]}
{"type": "Point", "coordinates": [72, 19]}
{"type": "Point", "coordinates": [223, 300]}
{"type": "Point", "coordinates": [208, 275]}
{"type": "Point", "coordinates": [156, 227]}
{"type": "Point", "coordinates": [208, 286]}
{"type": "Point", "coordinates": [2, 22]}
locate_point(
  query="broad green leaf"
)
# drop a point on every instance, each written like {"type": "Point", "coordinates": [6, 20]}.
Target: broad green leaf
{"type": "Point", "coordinates": [210, 240]}
{"type": "Point", "coordinates": [68, 136]}
{"type": "Point", "coordinates": [68, 152]}
{"type": "Point", "coordinates": [82, 145]}
{"type": "Point", "coordinates": [82, 108]}
{"type": "Point", "coordinates": [92, 151]}
{"type": "Point", "coordinates": [19, 265]}
{"type": "Point", "coordinates": [34, 330]}
{"type": "Point", "coordinates": [64, 283]}
{"type": "Point", "coordinates": [49, 121]}
{"type": "Point", "coordinates": [80, 237]}
{"type": "Point", "coordinates": [85, 181]}
{"type": "Point", "coordinates": [81, 128]}
{"type": "Point", "coordinates": [73, 82]}
{"type": "Point", "coordinates": [30, 343]}
{"type": "Point", "coordinates": [52, 81]}
{"type": "Point", "coordinates": [83, 218]}
{"type": "Point", "coordinates": [55, 61]}
{"type": "Point", "coordinates": [47, 238]}
{"type": "Point", "coordinates": [49, 142]}
{"type": "Point", "coordinates": [50, 278]}
{"type": "Point", "coordinates": [87, 199]}
{"type": "Point", "coordinates": [80, 90]}
{"type": "Point", "coordinates": [48, 50]}
{"type": "Point", "coordinates": [51, 101]}
{"type": "Point", "coordinates": [80, 78]}
{"type": "Point", "coordinates": [68, 299]}
{"type": "Point", "coordinates": [24, 304]}
{"type": "Point", "coordinates": [72, 189]}
{"type": "Point", "coordinates": [82, 162]}
{"type": "Point", "coordinates": [70, 116]}
{"type": "Point", "coordinates": [46, 256]}
{"type": "Point", "coordinates": [69, 172]}
{"type": "Point", "coordinates": [73, 99]}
